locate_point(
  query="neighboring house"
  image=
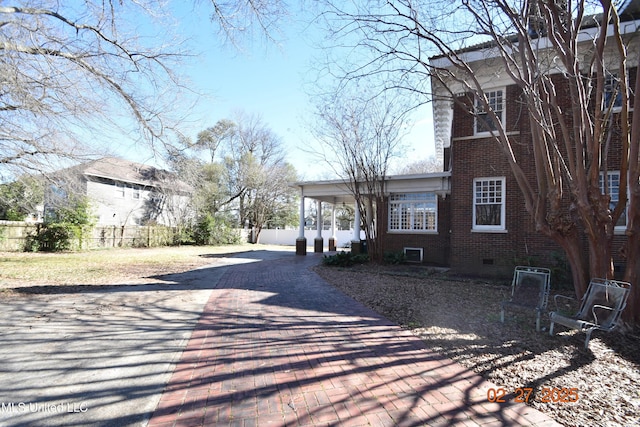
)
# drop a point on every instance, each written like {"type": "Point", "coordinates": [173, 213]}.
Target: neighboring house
{"type": "Point", "coordinates": [479, 225]}
{"type": "Point", "coordinates": [125, 193]}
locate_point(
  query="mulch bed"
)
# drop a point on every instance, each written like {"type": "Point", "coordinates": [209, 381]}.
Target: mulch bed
{"type": "Point", "coordinates": [460, 318]}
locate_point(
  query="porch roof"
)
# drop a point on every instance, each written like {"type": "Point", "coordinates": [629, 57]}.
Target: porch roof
{"type": "Point", "coordinates": [337, 191]}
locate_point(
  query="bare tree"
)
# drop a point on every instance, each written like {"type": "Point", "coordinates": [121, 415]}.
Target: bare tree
{"type": "Point", "coordinates": [240, 20]}
{"type": "Point", "coordinates": [564, 57]}
{"type": "Point", "coordinates": [428, 165]}
{"type": "Point", "coordinates": [66, 72]}
{"type": "Point", "coordinates": [359, 135]}
{"type": "Point", "coordinates": [256, 172]}
{"type": "Point", "coordinates": [211, 138]}
{"type": "Point", "coordinates": [71, 72]}
{"type": "Point", "coordinates": [271, 199]}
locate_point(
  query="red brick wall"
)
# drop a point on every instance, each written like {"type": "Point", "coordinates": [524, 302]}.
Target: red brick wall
{"type": "Point", "coordinates": [495, 254]}
{"type": "Point", "coordinates": [435, 246]}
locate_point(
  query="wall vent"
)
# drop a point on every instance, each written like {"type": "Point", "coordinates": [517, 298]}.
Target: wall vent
{"type": "Point", "coordinates": [413, 254]}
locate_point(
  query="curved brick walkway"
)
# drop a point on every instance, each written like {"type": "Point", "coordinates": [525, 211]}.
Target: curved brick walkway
{"type": "Point", "coordinates": [276, 346]}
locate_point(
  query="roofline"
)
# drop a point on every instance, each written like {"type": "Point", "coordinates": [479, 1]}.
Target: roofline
{"type": "Point", "coordinates": [387, 178]}
{"type": "Point", "coordinates": [113, 178]}
{"type": "Point", "coordinates": [480, 51]}
{"type": "Point", "coordinates": [338, 191]}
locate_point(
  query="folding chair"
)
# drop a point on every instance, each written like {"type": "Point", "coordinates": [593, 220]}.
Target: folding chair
{"type": "Point", "coordinates": [529, 291]}
{"type": "Point", "coordinates": [600, 308]}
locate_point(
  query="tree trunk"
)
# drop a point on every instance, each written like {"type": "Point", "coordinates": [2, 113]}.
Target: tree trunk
{"type": "Point", "coordinates": [575, 256]}
{"type": "Point", "coordinates": [631, 314]}
{"type": "Point", "coordinates": [631, 251]}
{"type": "Point", "coordinates": [600, 259]}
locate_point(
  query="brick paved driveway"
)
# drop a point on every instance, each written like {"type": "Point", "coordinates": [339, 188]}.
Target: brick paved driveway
{"type": "Point", "coordinates": [276, 345]}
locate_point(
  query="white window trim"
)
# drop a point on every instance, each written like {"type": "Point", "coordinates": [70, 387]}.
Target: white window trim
{"type": "Point", "coordinates": [502, 227]}
{"type": "Point", "coordinates": [502, 112]}
{"type": "Point", "coordinates": [412, 231]}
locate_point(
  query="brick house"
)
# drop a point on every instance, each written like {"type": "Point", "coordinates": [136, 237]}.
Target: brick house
{"type": "Point", "coordinates": [483, 228]}
{"type": "Point", "coordinates": [491, 246]}
{"type": "Point", "coordinates": [491, 231]}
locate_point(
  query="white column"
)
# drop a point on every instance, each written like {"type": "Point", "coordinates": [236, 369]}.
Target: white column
{"type": "Point", "coordinates": [301, 241]}
{"type": "Point", "coordinates": [333, 220]}
{"type": "Point", "coordinates": [332, 239]}
{"type": "Point", "coordinates": [369, 218]}
{"type": "Point", "coordinates": [318, 243]}
{"type": "Point", "coordinates": [301, 226]}
{"type": "Point", "coordinates": [319, 219]}
{"type": "Point", "coordinates": [356, 225]}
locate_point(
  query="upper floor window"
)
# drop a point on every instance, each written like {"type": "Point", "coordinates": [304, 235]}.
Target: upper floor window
{"type": "Point", "coordinates": [489, 204]}
{"type": "Point", "coordinates": [613, 190]}
{"type": "Point", "coordinates": [416, 212]}
{"type": "Point", "coordinates": [120, 190]}
{"type": "Point", "coordinates": [484, 122]}
{"type": "Point", "coordinates": [612, 94]}
{"type": "Point", "coordinates": [135, 192]}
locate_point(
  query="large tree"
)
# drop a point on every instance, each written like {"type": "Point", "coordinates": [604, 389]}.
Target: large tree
{"type": "Point", "coordinates": [20, 198]}
{"type": "Point", "coordinates": [554, 51]}
{"type": "Point", "coordinates": [245, 172]}
{"type": "Point", "coordinates": [71, 72]}
{"type": "Point", "coordinates": [67, 71]}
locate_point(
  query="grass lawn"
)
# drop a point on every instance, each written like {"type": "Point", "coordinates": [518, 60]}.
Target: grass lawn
{"type": "Point", "coordinates": [105, 266]}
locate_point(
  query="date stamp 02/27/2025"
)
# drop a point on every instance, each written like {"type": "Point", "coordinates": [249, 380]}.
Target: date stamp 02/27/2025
{"type": "Point", "coordinates": [524, 394]}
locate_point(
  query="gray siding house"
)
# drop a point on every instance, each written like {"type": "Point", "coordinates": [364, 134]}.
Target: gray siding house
{"type": "Point", "coordinates": [126, 193]}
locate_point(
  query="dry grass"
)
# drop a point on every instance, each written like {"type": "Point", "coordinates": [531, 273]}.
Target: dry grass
{"type": "Point", "coordinates": [461, 319]}
{"type": "Point", "coordinates": [129, 265]}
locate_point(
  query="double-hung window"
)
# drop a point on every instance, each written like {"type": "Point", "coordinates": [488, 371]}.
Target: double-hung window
{"type": "Point", "coordinates": [489, 204]}
{"type": "Point", "coordinates": [612, 94]}
{"type": "Point", "coordinates": [613, 190]}
{"type": "Point", "coordinates": [484, 122]}
{"type": "Point", "coordinates": [415, 212]}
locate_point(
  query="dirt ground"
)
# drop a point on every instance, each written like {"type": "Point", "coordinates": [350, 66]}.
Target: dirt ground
{"type": "Point", "coordinates": [461, 319]}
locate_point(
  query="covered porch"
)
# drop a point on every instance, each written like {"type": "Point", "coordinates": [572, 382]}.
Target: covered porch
{"type": "Point", "coordinates": [337, 192]}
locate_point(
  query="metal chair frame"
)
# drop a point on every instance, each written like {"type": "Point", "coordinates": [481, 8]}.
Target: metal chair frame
{"type": "Point", "coordinates": [520, 286]}
{"type": "Point", "coordinates": [600, 308]}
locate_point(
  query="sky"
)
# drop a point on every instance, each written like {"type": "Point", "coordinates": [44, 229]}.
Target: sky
{"type": "Point", "coordinates": [268, 80]}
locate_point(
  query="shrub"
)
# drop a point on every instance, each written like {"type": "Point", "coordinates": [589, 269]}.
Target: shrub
{"type": "Point", "coordinates": [210, 230]}
{"type": "Point", "coordinates": [395, 257]}
{"type": "Point", "coordinates": [51, 237]}
{"type": "Point", "coordinates": [64, 229]}
{"type": "Point", "coordinates": [345, 259]}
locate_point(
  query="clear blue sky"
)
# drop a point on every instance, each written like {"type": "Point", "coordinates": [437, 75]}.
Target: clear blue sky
{"type": "Point", "coordinates": [268, 80]}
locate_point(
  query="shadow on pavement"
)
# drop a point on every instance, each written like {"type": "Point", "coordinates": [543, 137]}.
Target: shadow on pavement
{"type": "Point", "coordinates": [256, 338]}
